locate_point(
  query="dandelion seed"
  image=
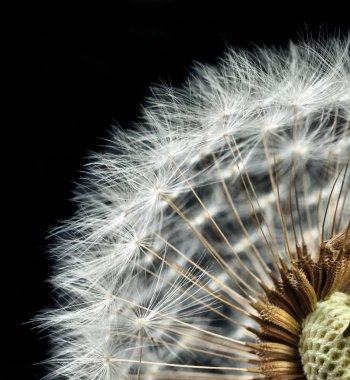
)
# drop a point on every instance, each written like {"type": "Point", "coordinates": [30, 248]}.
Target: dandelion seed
{"type": "Point", "coordinates": [217, 245]}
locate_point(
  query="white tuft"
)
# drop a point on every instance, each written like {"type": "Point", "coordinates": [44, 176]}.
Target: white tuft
{"type": "Point", "coordinates": [174, 230]}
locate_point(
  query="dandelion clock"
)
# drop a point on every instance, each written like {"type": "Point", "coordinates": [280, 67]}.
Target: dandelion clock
{"type": "Point", "coordinates": [213, 242]}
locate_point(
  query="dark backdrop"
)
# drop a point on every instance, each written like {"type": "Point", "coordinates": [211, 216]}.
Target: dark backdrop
{"type": "Point", "coordinates": [95, 65]}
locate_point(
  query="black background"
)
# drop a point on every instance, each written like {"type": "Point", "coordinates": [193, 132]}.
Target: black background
{"type": "Point", "coordinates": [95, 66]}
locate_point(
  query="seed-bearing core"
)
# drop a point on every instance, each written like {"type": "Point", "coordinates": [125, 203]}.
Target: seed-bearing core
{"type": "Point", "coordinates": [304, 321]}
{"type": "Point", "coordinates": [324, 350]}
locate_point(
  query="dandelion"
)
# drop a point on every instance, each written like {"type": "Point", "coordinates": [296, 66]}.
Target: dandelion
{"type": "Point", "coordinates": [213, 242]}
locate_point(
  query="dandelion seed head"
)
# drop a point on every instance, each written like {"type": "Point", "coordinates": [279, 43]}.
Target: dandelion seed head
{"type": "Point", "coordinates": [208, 237]}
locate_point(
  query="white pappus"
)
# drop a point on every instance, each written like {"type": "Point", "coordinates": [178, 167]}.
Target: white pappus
{"type": "Point", "coordinates": [186, 221]}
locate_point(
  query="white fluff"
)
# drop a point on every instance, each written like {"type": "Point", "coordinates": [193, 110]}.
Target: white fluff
{"type": "Point", "coordinates": [147, 270]}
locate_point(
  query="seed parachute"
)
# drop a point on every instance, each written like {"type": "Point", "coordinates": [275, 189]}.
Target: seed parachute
{"type": "Point", "coordinates": [213, 241]}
